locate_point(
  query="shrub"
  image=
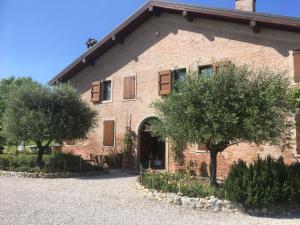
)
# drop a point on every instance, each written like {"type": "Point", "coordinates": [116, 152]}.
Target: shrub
{"type": "Point", "coordinates": [174, 183]}
{"type": "Point", "coordinates": [55, 162]}
{"type": "Point", "coordinates": [263, 183]}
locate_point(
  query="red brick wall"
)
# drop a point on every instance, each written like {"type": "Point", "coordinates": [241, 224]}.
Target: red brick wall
{"type": "Point", "coordinates": [246, 152]}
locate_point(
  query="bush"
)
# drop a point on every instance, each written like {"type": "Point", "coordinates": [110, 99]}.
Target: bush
{"type": "Point", "coordinates": [174, 183]}
{"type": "Point", "coordinates": [263, 183]}
{"type": "Point", "coordinates": [55, 162]}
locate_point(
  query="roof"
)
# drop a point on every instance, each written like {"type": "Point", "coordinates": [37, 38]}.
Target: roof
{"type": "Point", "coordinates": [253, 19]}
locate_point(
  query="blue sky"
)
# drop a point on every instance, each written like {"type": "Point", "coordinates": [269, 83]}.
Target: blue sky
{"type": "Point", "coordinates": [40, 38]}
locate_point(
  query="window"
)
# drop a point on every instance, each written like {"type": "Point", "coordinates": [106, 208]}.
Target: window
{"type": "Point", "coordinates": [206, 70]}
{"type": "Point", "coordinates": [106, 90]}
{"type": "Point", "coordinates": [70, 142]}
{"type": "Point", "coordinates": [129, 88]}
{"type": "Point", "coordinates": [179, 75]}
{"type": "Point", "coordinates": [201, 148]}
{"type": "Point", "coordinates": [109, 133]}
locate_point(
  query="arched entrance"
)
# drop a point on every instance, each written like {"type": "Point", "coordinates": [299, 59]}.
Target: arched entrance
{"type": "Point", "coordinates": [152, 150]}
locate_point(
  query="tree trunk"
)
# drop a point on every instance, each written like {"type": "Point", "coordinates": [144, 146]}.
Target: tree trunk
{"type": "Point", "coordinates": [39, 160]}
{"type": "Point", "coordinates": [213, 168]}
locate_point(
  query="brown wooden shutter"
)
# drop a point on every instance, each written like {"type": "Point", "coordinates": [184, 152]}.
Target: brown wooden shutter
{"type": "Point", "coordinates": [220, 65]}
{"type": "Point", "coordinates": [96, 91]}
{"type": "Point", "coordinates": [108, 133]}
{"type": "Point", "coordinates": [201, 146]}
{"type": "Point", "coordinates": [129, 88]}
{"type": "Point", "coordinates": [70, 142]}
{"type": "Point", "coordinates": [297, 66]}
{"type": "Point", "coordinates": [164, 82]}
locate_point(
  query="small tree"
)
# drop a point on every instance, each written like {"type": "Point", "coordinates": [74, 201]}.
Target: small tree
{"type": "Point", "coordinates": [232, 106]}
{"type": "Point", "coordinates": [43, 114]}
{"type": "Point", "coordinates": [7, 86]}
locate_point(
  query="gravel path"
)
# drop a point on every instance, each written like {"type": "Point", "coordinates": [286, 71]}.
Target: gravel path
{"type": "Point", "coordinates": [107, 199]}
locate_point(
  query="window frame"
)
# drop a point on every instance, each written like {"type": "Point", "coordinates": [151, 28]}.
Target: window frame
{"type": "Point", "coordinates": [206, 66]}
{"type": "Point", "coordinates": [173, 74]}
{"type": "Point", "coordinates": [72, 141]}
{"type": "Point", "coordinates": [135, 88]}
{"type": "Point", "coordinates": [102, 91]}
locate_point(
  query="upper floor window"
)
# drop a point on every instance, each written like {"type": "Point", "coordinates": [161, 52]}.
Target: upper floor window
{"type": "Point", "coordinates": [179, 75]}
{"type": "Point", "coordinates": [206, 70]}
{"type": "Point", "coordinates": [106, 90]}
{"type": "Point", "coordinates": [129, 88]}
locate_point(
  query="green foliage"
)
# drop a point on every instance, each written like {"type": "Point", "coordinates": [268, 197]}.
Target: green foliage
{"type": "Point", "coordinates": [174, 183]}
{"type": "Point", "coordinates": [7, 87]}
{"type": "Point", "coordinates": [42, 113]}
{"type": "Point", "coordinates": [234, 105]}
{"type": "Point", "coordinates": [37, 112]}
{"type": "Point", "coordinates": [55, 162]}
{"type": "Point", "coordinates": [177, 148]}
{"type": "Point", "coordinates": [264, 183]}
{"type": "Point", "coordinates": [128, 142]}
{"type": "Point", "coordinates": [295, 95]}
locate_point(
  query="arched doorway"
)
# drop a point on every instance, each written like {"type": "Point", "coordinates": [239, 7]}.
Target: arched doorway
{"type": "Point", "coordinates": [152, 150]}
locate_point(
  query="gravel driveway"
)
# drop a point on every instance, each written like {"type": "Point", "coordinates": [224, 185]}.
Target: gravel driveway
{"type": "Point", "coordinates": [107, 199]}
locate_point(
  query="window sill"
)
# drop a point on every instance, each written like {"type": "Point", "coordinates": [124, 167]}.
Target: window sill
{"type": "Point", "coordinates": [106, 101]}
{"type": "Point", "coordinates": [128, 100]}
{"type": "Point", "coordinates": [201, 151]}
{"type": "Point", "coordinates": [104, 146]}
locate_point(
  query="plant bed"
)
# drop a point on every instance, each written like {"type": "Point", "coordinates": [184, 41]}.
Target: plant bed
{"type": "Point", "coordinates": [53, 163]}
{"type": "Point", "coordinates": [195, 193]}
{"type": "Point", "coordinates": [209, 203]}
{"type": "Point", "coordinates": [51, 175]}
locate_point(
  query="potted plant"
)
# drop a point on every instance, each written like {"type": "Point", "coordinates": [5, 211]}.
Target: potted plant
{"type": "Point", "coordinates": [128, 143]}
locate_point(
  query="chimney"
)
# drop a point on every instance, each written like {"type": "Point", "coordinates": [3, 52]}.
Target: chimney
{"type": "Point", "coordinates": [245, 5]}
{"type": "Point", "coordinates": [90, 42]}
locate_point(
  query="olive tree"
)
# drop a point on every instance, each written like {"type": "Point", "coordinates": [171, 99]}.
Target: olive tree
{"type": "Point", "coordinates": [7, 86]}
{"type": "Point", "coordinates": [43, 114]}
{"type": "Point", "coordinates": [234, 105]}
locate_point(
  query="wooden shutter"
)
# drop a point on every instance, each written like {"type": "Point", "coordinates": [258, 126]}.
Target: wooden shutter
{"type": "Point", "coordinates": [96, 91]}
{"type": "Point", "coordinates": [129, 87]}
{"type": "Point", "coordinates": [164, 82]}
{"type": "Point", "coordinates": [70, 142]}
{"type": "Point", "coordinates": [297, 66]}
{"type": "Point", "coordinates": [108, 133]}
{"type": "Point", "coordinates": [220, 66]}
{"type": "Point", "coordinates": [201, 147]}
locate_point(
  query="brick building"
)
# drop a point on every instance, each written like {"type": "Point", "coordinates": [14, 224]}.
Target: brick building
{"type": "Point", "coordinates": [122, 74]}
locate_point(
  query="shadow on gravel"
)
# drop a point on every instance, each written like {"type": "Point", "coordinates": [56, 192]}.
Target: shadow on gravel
{"type": "Point", "coordinates": [111, 174]}
{"type": "Point", "coordinates": [280, 215]}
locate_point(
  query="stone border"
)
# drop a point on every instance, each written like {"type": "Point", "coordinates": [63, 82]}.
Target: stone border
{"type": "Point", "coordinates": [215, 204]}
{"type": "Point", "coordinates": [211, 203]}
{"type": "Point", "coordinates": [50, 175]}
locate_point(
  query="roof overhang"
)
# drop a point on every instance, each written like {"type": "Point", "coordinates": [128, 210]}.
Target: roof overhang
{"type": "Point", "coordinates": [252, 19]}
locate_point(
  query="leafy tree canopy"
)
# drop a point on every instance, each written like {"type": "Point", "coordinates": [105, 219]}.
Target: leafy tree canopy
{"type": "Point", "coordinates": [41, 113]}
{"type": "Point", "coordinates": [232, 106]}
{"type": "Point", "coordinates": [8, 86]}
